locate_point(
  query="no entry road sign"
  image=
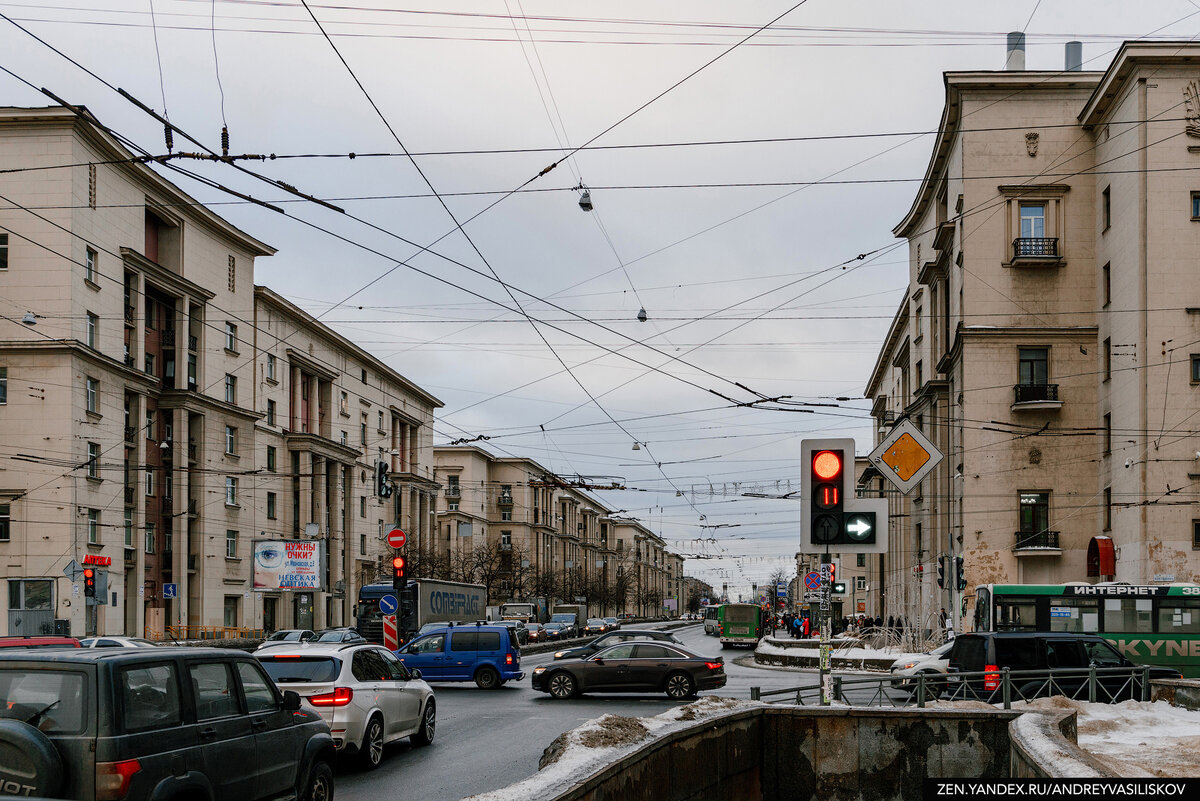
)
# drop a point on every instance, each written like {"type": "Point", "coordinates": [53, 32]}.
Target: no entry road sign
{"type": "Point", "coordinates": [396, 538]}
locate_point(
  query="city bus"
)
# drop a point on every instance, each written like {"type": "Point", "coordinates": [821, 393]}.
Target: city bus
{"type": "Point", "coordinates": [740, 624]}
{"type": "Point", "coordinates": [1149, 624]}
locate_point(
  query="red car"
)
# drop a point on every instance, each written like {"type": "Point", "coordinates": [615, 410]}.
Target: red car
{"type": "Point", "coordinates": [38, 641]}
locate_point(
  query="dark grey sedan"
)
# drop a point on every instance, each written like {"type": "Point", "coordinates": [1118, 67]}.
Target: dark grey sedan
{"type": "Point", "coordinates": [633, 667]}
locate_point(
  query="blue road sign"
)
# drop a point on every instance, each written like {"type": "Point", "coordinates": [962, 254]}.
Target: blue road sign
{"type": "Point", "coordinates": [387, 604]}
{"type": "Point", "coordinates": [170, 590]}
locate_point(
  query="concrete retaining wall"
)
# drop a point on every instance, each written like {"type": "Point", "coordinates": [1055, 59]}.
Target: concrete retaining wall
{"type": "Point", "coordinates": [1045, 745]}
{"type": "Point", "coordinates": [1177, 692]}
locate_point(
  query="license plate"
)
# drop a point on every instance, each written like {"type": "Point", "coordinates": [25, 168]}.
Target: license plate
{"type": "Point", "coordinates": [739, 629]}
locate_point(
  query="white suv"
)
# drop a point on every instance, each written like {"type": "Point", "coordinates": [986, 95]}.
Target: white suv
{"type": "Point", "coordinates": [366, 695]}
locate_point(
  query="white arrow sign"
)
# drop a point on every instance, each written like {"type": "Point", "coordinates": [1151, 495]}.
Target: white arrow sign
{"type": "Point", "coordinates": [859, 527]}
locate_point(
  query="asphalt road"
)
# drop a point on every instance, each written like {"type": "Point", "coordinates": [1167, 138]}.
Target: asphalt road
{"type": "Point", "coordinates": [487, 739]}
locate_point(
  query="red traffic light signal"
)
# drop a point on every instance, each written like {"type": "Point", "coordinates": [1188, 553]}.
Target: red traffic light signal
{"type": "Point", "coordinates": [89, 582]}
{"type": "Point", "coordinates": [827, 465]}
{"type": "Point", "coordinates": [399, 573]}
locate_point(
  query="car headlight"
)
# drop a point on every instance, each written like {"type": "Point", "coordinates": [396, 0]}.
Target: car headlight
{"type": "Point", "coordinates": [539, 670]}
{"type": "Point", "coordinates": [559, 654]}
{"type": "Point", "coordinates": [910, 666]}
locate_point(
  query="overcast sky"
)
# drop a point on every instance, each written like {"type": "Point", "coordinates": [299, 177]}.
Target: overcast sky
{"type": "Point", "coordinates": [741, 284]}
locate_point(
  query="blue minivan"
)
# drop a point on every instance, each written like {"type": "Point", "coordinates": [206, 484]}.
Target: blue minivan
{"type": "Point", "coordinates": [486, 655]}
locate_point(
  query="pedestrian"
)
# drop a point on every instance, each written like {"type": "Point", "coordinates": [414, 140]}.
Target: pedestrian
{"type": "Point", "coordinates": [805, 627]}
{"type": "Point", "coordinates": [891, 623]}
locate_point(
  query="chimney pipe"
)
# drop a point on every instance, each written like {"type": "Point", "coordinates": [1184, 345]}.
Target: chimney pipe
{"type": "Point", "coordinates": [1074, 56]}
{"type": "Point", "coordinates": [1014, 58]}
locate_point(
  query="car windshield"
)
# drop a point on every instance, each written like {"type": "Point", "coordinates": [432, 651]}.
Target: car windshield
{"type": "Point", "coordinates": [49, 700]}
{"type": "Point", "coordinates": [595, 622]}
{"type": "Point", "coordinates": [610, 620]}
{"type": "Point", "coordinates": [285, 669]}
{"type": "Point", "coordinates": [942, 650]}
{"type": "Point", "coordinates": [331, 636]}
{"type": "Point", "coordinates": [285, 635]}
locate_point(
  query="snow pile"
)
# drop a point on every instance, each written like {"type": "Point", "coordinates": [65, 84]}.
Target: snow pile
{"type": "Point", "coordinates": [766, 647]}
{"type": "Point", "coordinates": [596, 744]}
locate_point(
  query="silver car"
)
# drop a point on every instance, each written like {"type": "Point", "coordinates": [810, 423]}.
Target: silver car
{"type": "Point", "coordinates": [366, 695]}
{"type": "Point", "coordinates": [933, 665]}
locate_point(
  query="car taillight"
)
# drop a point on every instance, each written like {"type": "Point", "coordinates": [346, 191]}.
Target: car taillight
{"type": "Point", "coordinates": [990, 680]}
{"type": "Point", "coordinates": [339, 697]}
{"type": "Point", "coordinates": [713, 665]}
{"type": "Point", "coordinates": [112, 778]}
{"type": "Point", "coordinates": [508, 659]}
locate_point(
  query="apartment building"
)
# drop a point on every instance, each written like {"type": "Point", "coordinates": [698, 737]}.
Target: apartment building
{"type": "Point", "coordinates": [1046, 342]}
{"type": "Point", "coordinates": [143, 421]}
{"type": "Point", "coordinates": [528, 534]}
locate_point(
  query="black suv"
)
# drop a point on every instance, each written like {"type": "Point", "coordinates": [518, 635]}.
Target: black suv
{"type": "Point", "coordinates": [614, 637]}
{"type": "Point", "coordinates": [162, 723]}
{"type": "Point", "coordinates": [1045, 651]}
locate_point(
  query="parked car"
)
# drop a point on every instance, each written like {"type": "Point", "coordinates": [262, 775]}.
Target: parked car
{"type": "Point", "coordinates": [632, 667]}
{"type": "Point", "coordinates": [1041, 651]}
{"type": "Point", "coordinates": [536, 632]}
{"type": "Point", "coordinates": [170, 722]}
{"type": "Point", "coordinates": [593, 626]}
{"type": "Point", "coordinates": [342, 635]}
{"type": "Point", "coordinates": [287, 636]}
{"type": "Point", "coordinates": [37, 641]}
{"type": "Point", "coordinates": [932, 665]}
{"type": "Point", "coordinates": [555, 631]}
{"type": "Point", "coordinates": [116, 642]}
{"type": "Point", "coordinates": [485, 654]}
{"type": "Point", "coordinates": [366, 695]}
{"type": "Point", "coordinates": [614, 637]}
{"type": "Point", "coordinates": [518, 626]}
{"type": "Point", "coordinates": [612, 623]}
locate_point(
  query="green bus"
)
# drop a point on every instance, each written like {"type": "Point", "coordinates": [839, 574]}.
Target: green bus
{"type": "Point", "coordinates": [1156, 624]}
{"type": "Point", "coordinates": [739, 624]}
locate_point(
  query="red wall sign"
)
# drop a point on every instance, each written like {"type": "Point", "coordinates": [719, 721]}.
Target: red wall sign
{"type": "Point", "coordinates": [94, 559]}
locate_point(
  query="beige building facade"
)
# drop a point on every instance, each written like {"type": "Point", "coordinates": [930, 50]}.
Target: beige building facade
{"type": "Point", "coordinates": [1046, 342]}
{"type": "Point", "coordinates": [139, 398]}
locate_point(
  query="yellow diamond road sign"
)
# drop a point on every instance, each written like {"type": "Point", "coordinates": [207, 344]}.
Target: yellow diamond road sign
{"type": "Point", "coordinates": [905, 456]}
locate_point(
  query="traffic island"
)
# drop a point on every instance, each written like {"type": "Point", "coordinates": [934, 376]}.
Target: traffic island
{"type": "Point", "coordinates": [806, 654]}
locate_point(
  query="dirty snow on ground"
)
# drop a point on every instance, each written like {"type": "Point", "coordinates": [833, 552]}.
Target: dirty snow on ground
{"type": "Point", "coordinates": [767, 647]}
{"type": "Point", "coordinates": [1155, 737]}
{"type": "Point", "coordinates": [594, 745]}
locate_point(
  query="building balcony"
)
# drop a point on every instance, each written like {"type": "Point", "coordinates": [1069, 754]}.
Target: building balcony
{"type": "Point", "coordinates": [129, 314]}
{"type": "Point", "coordinates": [454, 492]}
{"type": "Point", "coordinates": [129, 360]}
{"type": "Point", "coordinates": [192, 343]}
{"type": "Point", "coordinates": [130, 555]}
{"type": "Point", "coordinates": [168, 338]}
{"type": "Point", "coordinates": [192, 450]}
{"type": "Point", "coordinates": [1036, 250]}
{"type": "Point", "coordinates": [130, 434]}
{"type": "Point", "coordinates": [1035, 543]}
{"type": "Point", "coordinates": [505, 499]}
{"type": "Point", "coordinates": [1035, 396]}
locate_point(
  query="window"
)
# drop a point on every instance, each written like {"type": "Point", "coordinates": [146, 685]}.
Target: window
{"type": "Point", "coordinates": [862, 560]}
{"type": "Point", "coordinates": [1195, 374]}
{"type": "Point", "coordinates": [92, 395]}
{"type": "Point", "coordinates": [3, 251]}
{"type": "Point", "coordinates": [271, 367]}
{"type": "Point", "coordinates": [364, 375]}
{"type": "Point", "coordinates": [381, 428]}
{"type": "Point", "coordinates": [1106, 280]}
{"type": "Point", "coordinates": [93, 460]}
{"type": "Point", "coordinates": [5, 522]}
{"type": "Point", "coordinates": [1179, 616]}
{"type": "Point", "coordinates": [231, 337]}
{"type": "Point", "coordinates": [362, 506]}
{"type": "Point", "coordinates": [1196, 535]}
{"type": "Point", "coordinates": [271, 503]}
{"type": "Point", "coordinates": [860, 584]}
{"type": "Point", "coordinates": [1107, 434]}
{"type": "Point", "coordinates": [149, 482]}
{"type": "Point", "coordinates": [506, 515]}
{"type": "Point", "coordinates": [150, 364]}
{"type": "Point", "coordinates": [506, 539]}
{"type": "Point", "coordinates": [231, 491]}
{"type": "Point", "coordinates": [1107, 356]}
{"type": "Point", "coordinates": [93, 516]}
{"type": "Point", "coordinates": [230, 440]}
{"type": "Point", "coordinates": [1196, 205]}
{"type": "Point", "coordinates": [89, 265]}
{"type": "Point", "coordinates": [1033, 220]}
{"type": "Point", "coordinates": [231, 538]}
{"type": "Point", "coordinates": [230, 388]}
{"type": "Point", "coordinates": [920, 375]}
{"type": "Point", "coordinates": [150, 538]}
{"type": "Point", "coordinates": [1106, 208]}
{"type": "Point", "coordinates": [231, 611]}
{"type": "Point", "coordinates": [93, 324]}
{"type": "Point", "coordinates": [159, 709]}
{"type": "Point", "coordinates": [362, 544]}
{"type": "Point", "coordinates": [1035, 512]}
{"type": "Point", "coordinates": [345, 438]}
{"type": "Point", "coordinates": [363, 430]}
{"type": "Point", "coordinates": [167, 542]}
{"type": "Point", "coordinates": [1034, 365]}
{"type": "Point", "coordinates": [1108, 508]}
{"type": "Point", "coordinates": [270, 412]}
{"type": "Point", "coordinates": [260, 697]}
{"type": "Point", "coordinates": [919, 323]}
{"type": "Point", "coordinates": [4, 385]}
{"type": "Point", "coordinates": [216, 694]}
{"type": "Point", "coordinates": [271, 458]}
{"type": "Point", "coordinates": [344, 404]}
{"type": "Point", "coordinates": [128, 528]}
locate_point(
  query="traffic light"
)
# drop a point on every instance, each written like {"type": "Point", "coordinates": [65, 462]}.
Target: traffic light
{"type": "Point", "coordinates": [89, 582]}
{"type": "Point", "coordinates": [839, 588]}
{"type": "Point", "coordinates": [941, 572]}
{"type": "Point", "coordinates": [399, 573]}
{"type": "Point", "coordinates": [383, 488]}
{"type": "Point", "coordinates": [825, 504]}
{"type": "Point", "coordinates": [960, 576]}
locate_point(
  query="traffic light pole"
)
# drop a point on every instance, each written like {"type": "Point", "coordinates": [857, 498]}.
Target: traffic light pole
{"type": "Point", "coordinates": [826, 625]}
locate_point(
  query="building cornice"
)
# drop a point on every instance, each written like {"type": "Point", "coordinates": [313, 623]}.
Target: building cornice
{"type": "Point", "coordinates": [883, 362]}
{"type": "Point", "coordinates": [1132, 55]}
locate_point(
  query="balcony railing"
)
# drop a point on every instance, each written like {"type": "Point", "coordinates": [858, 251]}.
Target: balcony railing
{"type": "Point", "coordinates": [453, 491]}
{"type": "Point", "coordinates": [168, 338]}
{"type": "Point", "coordinates": [129, 313]}
{"type": "Point", "coordinates": [1035, 247]}
{"type": "Point", "coordinates": [505, 499]}
{"type": "Point", "coordinates": [129, 360]}
{"type": "Point", "coordinates": [1036, 539]}
{"type": "Point", "coordinates": [191, 450]}
{"type": "Point", "coordinates": [130, 434]}
{"type": "Point", "coordinates": [1035, 393]}
{"type": "Point", "coordinates": [192, 343]}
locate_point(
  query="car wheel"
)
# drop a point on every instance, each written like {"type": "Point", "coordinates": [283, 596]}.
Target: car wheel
{"type": "Point", "coordinates": [371, 750]}
{"type": "Point", "coordinates": [562, 685]}
{"type": "Point", "coordinates": [487, 678]}
{"type": "Point", "coordinates": [320, 783]}
{"type": "Point", "coordinates": [680, 686]}
{"type": "Point", "coordinates": [424, 735]}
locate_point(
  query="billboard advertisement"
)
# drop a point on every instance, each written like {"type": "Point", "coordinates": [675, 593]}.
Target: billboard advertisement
{"type": "Point", "coordinates": [289, 565]}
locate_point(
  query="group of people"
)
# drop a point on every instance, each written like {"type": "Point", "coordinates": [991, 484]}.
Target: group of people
{"type": "Point", "coordinates": [801, 626]}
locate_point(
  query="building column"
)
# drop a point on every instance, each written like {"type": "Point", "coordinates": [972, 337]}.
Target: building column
{"type": "Point", "coordinates": [294, 402]}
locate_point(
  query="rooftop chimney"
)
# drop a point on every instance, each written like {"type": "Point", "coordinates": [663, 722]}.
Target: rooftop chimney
{"type": "Point", "coordinates": [1014, 59]}
{"type": "Point", "coordinates": [1074, 56]}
